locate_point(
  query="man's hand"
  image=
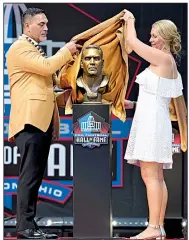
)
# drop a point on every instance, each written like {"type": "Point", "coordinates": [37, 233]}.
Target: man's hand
{"type": "Point", "coordinates": [73, 47]}
{"type": "Point", "coordinates": [128, 104]}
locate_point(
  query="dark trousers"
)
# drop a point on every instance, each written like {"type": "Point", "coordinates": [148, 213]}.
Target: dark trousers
{"type": "Point", "coordinates": [34, 146]}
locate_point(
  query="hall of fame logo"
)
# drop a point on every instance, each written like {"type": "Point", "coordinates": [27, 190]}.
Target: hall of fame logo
{"type": "Point", "coordinates": [91, 130]}
{"type": "Point", "coordinates": [176, 142]}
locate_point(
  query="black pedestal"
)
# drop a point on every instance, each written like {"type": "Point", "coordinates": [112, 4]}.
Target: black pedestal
{"type": "Point", "coordinates": [92, 179]}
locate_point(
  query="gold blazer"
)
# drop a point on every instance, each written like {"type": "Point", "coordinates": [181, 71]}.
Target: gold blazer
{"type": "Point", "coordinates": [31, 86]}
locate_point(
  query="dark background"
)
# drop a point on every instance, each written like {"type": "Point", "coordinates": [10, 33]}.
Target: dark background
{"type": "Point", "coordinates": [65, 22]}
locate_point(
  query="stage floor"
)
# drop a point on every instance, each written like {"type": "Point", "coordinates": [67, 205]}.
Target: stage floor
{"type": "Point", "coordinates": [70, 238]}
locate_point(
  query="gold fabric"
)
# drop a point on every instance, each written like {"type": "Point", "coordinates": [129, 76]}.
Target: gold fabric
{"type": "Point", "coordinates": [110, 36]}
{"type": "Point", "coordinates": [178, 113]}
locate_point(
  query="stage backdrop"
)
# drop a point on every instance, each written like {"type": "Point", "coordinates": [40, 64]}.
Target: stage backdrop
{"type": "Point", "coordinates": [128, 194]}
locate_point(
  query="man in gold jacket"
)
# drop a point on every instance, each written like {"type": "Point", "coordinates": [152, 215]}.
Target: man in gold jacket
{"type": "Point", "coordinates": [34, 114]}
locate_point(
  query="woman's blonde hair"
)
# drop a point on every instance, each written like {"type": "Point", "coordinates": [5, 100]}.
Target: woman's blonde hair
{"type": "Point", "coordinates": [168, 31]}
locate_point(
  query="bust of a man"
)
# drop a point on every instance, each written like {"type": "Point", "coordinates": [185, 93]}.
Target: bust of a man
{"type": "Point", "coordinates": [92, 81]}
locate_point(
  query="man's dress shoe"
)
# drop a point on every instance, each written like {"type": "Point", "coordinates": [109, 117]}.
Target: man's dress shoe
{"type": "Point", "coordinates": [30, 234]}
{"type": "Point", "coordinates": [35, 234]}
{"type": "Point", "coordinates": [48, 235]}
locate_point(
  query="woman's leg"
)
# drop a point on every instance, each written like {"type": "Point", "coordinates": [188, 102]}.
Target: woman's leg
{"type": "Point", "coordinates": [154, 187]}
{"type": "Point", "coordinates": [164, 200]}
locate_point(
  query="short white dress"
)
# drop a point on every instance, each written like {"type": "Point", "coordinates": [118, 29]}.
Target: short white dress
{"type": "Point", "coordinates": [150, 137]}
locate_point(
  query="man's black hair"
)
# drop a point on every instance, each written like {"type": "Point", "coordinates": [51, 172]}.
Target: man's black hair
{"type": "Point", "coordinates": [31, 12]}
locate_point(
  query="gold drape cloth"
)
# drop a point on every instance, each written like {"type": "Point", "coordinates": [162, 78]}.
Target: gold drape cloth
{"type": "Point", "coordinates": [110, 35]}
{"type": "Point", "coordinates": [178, 113]}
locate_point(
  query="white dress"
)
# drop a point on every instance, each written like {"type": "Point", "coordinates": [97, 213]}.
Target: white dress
{"type": "Point", "coordinates": [150, 137]}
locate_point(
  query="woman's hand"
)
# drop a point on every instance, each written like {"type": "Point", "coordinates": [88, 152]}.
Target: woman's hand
{"type": "Point", "coordinates": [127, 15]}
{"type": "Point", "coordinates": [128, 104]}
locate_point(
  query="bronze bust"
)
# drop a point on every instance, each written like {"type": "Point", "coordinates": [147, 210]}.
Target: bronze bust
{"type": "Point", "coordinates": [93, 80]}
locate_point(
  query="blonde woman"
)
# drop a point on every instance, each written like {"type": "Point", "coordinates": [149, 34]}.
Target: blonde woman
{"type": "Point", "coordinates": [150, 142]}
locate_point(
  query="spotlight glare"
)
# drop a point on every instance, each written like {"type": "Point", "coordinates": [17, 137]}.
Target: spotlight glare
{"type": "Point", "coordinates": [184, 223]}
{"type": "Point", "coordinates": [49, 222]}
{"type": "Point", "coordinates": [114, 223]}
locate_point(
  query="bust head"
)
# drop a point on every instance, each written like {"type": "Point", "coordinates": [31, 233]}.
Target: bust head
{"type": "Point", "coordinates": [92, 61]}
{"type": "Point", "coordinates": [93, 82]}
